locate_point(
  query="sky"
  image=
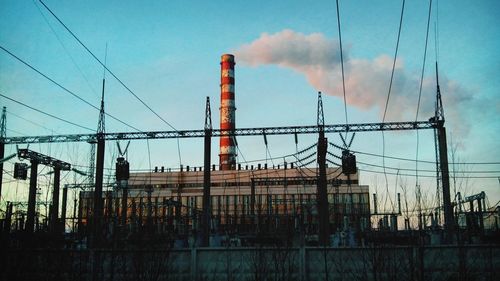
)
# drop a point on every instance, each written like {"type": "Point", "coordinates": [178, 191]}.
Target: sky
{"type": "Point", "coordinates": [168, 54]}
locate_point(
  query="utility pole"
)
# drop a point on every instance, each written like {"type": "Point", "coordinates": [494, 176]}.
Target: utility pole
{"type": "Point", "coordinates": [30, 216]}
{"type": "Point", "coordinates": [97, 210]}
{"type": "Point", "coordinates": [54, 214]}
{"type": "Point", "coordinates": [322, 200]}
{"type": "Point", "coordinates": [207, 209]}
{"type": "Point", "coordinates": [3, 135]}
{"type": "Point", "coordinates": [449, 222]}
{"type": "Point", "coordinates": [63, 209]}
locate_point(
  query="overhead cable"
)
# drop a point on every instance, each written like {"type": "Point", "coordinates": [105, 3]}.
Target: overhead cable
{"type": "Point", "coordinates": [45, 113]}
{"type": "Point", "coordinates": [64, 88]}
{"type": "Point", "coordinates": [107, 69]}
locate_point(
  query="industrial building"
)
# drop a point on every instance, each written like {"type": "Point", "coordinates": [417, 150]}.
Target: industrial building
{"type": "Point", "coordinates": [243, 200]}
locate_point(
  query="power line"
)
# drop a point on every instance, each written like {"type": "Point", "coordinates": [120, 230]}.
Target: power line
{"type": "Point", "coordinates": [16, 132]}
{"type": "Point", "coordinates": [428, 176]}
{"type": "Point", "coordinates": [45, 113]}
{"type": "Point", "coordinates": [420, 88]}
{"type": "Point", "coordinates": [107, 69]}
{"type": "Point", "coordinates": [65, 49]}
{"type": "Point", "coordinates": [394, 61]}
{"type": "Point", "coordinates": [425, 161]}
{"type": "Point", "coordinates": [62, 87]}
{"type": "Point", "coordinates": [30, 121]}
{"type": "Point", "coordinates": [342, 63]}
{"type": "Point", "coordinates": [424, 59]}
{"type": "Point", "coordinates": [389, 95]}
{"type": "Point", "coordinates": [429, 171]}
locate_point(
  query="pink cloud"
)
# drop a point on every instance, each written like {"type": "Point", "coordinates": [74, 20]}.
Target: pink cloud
{"type": "Point", "coordinates": [367, 81]}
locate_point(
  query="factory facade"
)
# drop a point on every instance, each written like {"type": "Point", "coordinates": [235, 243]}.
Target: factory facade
{"type": "Point", "coordinates": [243, 200]}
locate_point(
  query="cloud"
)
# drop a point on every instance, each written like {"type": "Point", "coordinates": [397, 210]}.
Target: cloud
{"type": "Point", "coordinates": [366, 81]}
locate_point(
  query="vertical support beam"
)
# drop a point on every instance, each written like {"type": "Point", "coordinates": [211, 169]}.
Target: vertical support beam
{"type": "Point", "coordinates": [206, 190]}
{"type": "Point", "coordinates": [149, 215]}
{"type": "Point", "coordinates": [124, 203]}
{"type": "Point", "coordinates": [141, 212]}
{"type": "Point", "coordinates": [8, 218]}
{"type": "Point", "coordinates": [399, 203]}
{"type": "Point", "coordinates": [54, 214]}
{"type": "Point", "coordinates": [480, 215]}
{"type": "Point", "coordinates": [322, 197]}
{"type": "Point", "coordinates": [63, 209]}
{"type": "Point", "coordinates": [80, 214]}
{"type": "Point", "coordinates": [207, 208]}
{"type": "Point", "coordinates": [449, 224]}
{"type": "Point", "coordinates": [30, 219]}
{"type": "Point", "coordinates": [97, 210]}
{"type": "Point", "coordinates": [252, 201]}
{"type": "Point", "coordinates": [109, 207]}
{"type": "Point", "coordinates": [3, 127]}
{"type": "Point", "coordinates": [2, 155]}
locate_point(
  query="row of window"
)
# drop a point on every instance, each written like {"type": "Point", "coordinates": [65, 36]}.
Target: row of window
{"type": "Point", "coordinates": [236, 204]}
{"type": "Point", "coordinates": [283, 182]}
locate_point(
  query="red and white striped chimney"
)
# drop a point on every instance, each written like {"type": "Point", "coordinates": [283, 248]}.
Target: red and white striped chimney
{"type": "Point", "coordinates": [227, 156]}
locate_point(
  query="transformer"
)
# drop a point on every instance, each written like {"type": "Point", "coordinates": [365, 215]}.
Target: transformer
{"type": "Point", "coordinates": [122, 169]}
{"type": "Point", "coordinates": [348, 163]}
{"type": "Point", "coordinates": [21, 171]}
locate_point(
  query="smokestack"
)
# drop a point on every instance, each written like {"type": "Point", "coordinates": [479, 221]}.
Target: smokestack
{"type": "Point", "coordinates": [227, 156]}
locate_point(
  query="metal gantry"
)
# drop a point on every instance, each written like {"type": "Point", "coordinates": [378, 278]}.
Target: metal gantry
{"type": "Point", "coordinates": [436, 123]}
{"type": "Point", "coordinates": [285, 130]}
{"type": "Point", "coordinates": [37, 158]}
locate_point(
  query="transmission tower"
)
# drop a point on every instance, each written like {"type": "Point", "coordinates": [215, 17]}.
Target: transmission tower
{"type": "Point", "coordinates": [3, 135]}
{"type": "Point", "coordinates": [439, 118]}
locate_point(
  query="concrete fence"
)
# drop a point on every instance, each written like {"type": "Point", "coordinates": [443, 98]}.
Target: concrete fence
{"type": "Point", "coordinates": [478, 262]}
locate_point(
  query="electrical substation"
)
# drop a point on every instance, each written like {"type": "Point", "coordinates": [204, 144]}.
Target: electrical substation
{"type": "Point", "coordinates": [304, 216]}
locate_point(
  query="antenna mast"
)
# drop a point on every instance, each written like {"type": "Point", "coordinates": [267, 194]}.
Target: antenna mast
{"type": "Point", "coordinates": [3, 135]}
{"type": "Point", "coordinates": [97, 215]}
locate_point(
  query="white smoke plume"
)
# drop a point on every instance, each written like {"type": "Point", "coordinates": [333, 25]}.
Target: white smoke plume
{"type": "Point", "coordinates": [366, 81]}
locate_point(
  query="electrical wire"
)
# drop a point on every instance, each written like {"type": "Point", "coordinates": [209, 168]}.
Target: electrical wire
{"type": "Point", "coordinates": [424, 161]}
{"type": "Point", "coordinates": [420, 91]}
{"type": "Point", "coordinates": [14, 131]}
{"type": "Point", "coordinates": [394, 62]}
{"type": "Point", "coordinates": [30, 121]}
{"type": "Point", "coordinates": [342, 64]}
{"type": "Point", "coordinates": [66, 49]}
{"type": "Point", "coordinates": [45, 113]}
{"type": "Point", "coordinates": [63, 88]}
{"type": "Point", "coordinates": [114, 76]}
{"type": "Point", "coordinates": [424, 59]}
{"type": "Point", "coordinates": [429, 171]}
{"type": "Point", "coordinates": [107, 69]}
{"type": "Point", "coordinates": [429, 176]}
{"type": "Point", "coordinates": [389, 95]}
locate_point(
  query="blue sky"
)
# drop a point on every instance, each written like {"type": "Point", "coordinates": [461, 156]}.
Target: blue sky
{"type": "Point", "coordinates": [168, 53]}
